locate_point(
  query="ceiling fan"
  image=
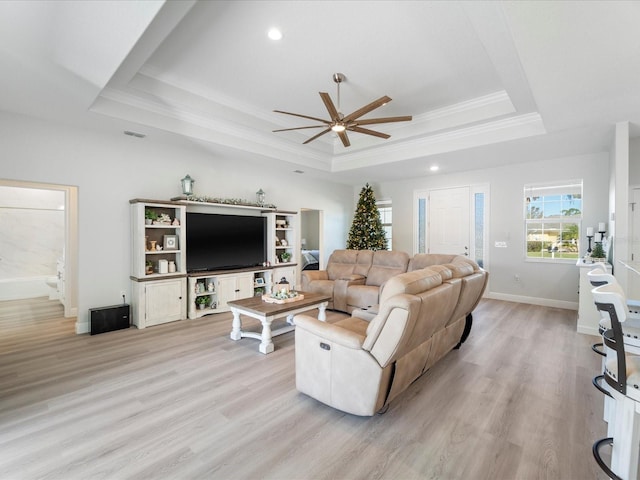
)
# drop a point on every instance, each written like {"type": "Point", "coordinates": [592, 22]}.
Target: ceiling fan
{"type": "Point", "coordinates": [340, 123]}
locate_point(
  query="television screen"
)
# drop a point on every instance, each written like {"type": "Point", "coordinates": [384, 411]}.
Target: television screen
{"type": "Point", "coordinates": [220, 242]}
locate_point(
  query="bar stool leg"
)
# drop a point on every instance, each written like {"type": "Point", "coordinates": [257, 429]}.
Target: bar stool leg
{"type": "Point", "coordinates": [626, 439]}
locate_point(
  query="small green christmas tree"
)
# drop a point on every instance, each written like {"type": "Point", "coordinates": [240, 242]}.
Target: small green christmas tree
{"type": "Point", "coordinates": [366, 230]}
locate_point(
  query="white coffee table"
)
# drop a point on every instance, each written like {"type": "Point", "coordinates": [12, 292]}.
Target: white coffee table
{"type": "Point", "coordinates": [255, 307]}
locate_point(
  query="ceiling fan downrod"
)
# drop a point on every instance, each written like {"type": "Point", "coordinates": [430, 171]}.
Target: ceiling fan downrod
{"type": "Point", "coordinates": [339, 78]}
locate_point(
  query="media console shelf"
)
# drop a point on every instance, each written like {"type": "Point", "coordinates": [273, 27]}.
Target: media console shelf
{"type": "Point", "coordinates": [158, 267]}
{"type": "Point", "coordinates": [163, 291]}
{"type": "Point", "coordinates": [214, 289]}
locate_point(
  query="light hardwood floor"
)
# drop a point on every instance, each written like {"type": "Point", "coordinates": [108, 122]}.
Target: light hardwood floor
{"type": "Point", "coordinates": [182, 401]}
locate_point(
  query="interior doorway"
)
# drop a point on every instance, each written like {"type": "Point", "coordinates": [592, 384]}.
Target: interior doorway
{"type": "Point", "coordinates": [32, 257]}
{"type": "Point", "coordinates": [311, 239]}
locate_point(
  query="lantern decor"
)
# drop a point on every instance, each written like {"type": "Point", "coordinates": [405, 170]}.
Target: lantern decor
{"type": "Point", "coordinates": [282, 293]}
{"type": "Point", "coordinates": [187, 185]}
{"type": "Point", "coordinates": [260, 197]}
{"type": "Point", "coordinates": [283, 285]}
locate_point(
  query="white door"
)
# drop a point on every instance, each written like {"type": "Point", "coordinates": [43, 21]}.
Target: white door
{"type": "Point", "coordinates": [164, 301]}
{"type": "Point", "coordinates": [448, 230]}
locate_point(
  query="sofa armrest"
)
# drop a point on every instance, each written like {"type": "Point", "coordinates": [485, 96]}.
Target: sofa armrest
{"type": "Point", "coordinates": [354, 279]}
{"type": "Point", "coordinates": [329, 332]}
{"type": "Point", "coordinates": [309, 276]}
{"type": "Point", "coordinates": [340, 288]}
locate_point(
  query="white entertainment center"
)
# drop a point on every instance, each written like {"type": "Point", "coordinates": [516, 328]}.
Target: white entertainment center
{"type": "Point", "coordinates": [162, 289]}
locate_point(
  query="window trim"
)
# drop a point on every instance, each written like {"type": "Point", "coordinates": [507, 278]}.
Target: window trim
{"type": "Point", "coordinates": [386, 204]}
{"type": "Point", "coordinates": [577, 220]}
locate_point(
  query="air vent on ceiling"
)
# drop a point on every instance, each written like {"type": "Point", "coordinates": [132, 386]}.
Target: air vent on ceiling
{"type": "Point", "coordinates": [134, 134]}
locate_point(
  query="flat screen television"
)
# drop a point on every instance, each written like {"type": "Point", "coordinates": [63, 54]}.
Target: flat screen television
{"type": "Point", "coordinates": [225, 242]}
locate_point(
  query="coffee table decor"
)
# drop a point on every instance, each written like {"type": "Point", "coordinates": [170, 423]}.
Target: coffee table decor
{"type": "Point", "coordinates": [282, 297]}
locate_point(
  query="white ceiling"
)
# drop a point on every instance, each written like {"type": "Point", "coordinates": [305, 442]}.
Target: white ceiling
{"type": "Point", "coordinates": [487, 83]}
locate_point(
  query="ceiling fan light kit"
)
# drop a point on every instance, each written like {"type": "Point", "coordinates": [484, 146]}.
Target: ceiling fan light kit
{"type": "Point", "coordinates": [340, 123]}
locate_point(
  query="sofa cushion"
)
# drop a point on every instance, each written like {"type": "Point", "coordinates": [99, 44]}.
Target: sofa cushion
{"type": "Point", "coordinates": [385, 265]}
{"type": "Point", "coordinates": [343, 263]}
{"type": "Point", "coordinates": [459, 269]}
{"type": "Point", "coordinates": [411, 283]}
{"type": "Point", "coordinates": [423, 260]}
{"type": "Point", "coordinates": [363, 264]}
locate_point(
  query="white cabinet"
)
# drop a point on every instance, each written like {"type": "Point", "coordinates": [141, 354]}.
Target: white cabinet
{"type": "Point", "coordinates": [158, 301]}
{"type": "Point", "coordinates": [214, 290]}
{"type": "Point", "coordinates": [233, 287]}
{"type": "Point", "coordinates": [588, 316]}
{"type": "Point", "coordinates": [158, 262]}
{"type": "Point", "coordinates": [288, 272]}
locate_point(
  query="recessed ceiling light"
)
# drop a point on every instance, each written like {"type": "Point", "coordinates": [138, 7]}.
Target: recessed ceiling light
{"type": "Point", "coordinates": [434, 168]}
{"type": "Point", "coordinates": [275, 34]}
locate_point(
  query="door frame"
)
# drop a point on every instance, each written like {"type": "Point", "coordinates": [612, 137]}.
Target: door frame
{"type": "Point", "coordinates": [483, 188]}
{"type": "Point", "coordinates": [70, 238]}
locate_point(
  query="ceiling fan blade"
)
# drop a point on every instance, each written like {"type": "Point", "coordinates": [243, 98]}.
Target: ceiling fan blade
{"type": "Point", "coordinates": [304, 116]}
{"type": "Point", "coordinates": [297, 128]}
{"type": "Point", "coordinates": [316, 136]}
{"type": "Point", "coordinates": [368, 132]}
{"type": "Point", "coordinates": [344, 138]}
{"type": "Point", "coordinates": [331, 108]}
{"type": "Point", "coordinates": [371, 121]}
{"type": "Point", "coordinates": [367, 108]}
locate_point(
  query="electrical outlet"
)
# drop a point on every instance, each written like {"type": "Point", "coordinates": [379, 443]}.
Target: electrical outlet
{"type": "Point", "coordinates": [516, 277]}
{"type": "Point", "coordinates": [501, 244]}
{"type": "Point", "coordinates": [123, 295]}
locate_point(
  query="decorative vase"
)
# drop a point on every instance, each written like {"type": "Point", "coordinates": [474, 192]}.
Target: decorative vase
{"type": "Point", "coordinates": [153, 245]}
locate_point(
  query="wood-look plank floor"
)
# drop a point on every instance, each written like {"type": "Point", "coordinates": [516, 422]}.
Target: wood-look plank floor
{"type": "Point", "coordinates": [183, 401]}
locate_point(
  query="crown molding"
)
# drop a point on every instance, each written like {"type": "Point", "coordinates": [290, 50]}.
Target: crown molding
{"type": "Point", "coordinates": [493, 132]}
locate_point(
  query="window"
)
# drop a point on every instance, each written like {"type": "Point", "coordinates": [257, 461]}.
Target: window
{"type": "Point", "coordinates": [384, 207]}
{"type": "Point", "coordinates": [478, 228]}
{"type": "Point", "coordinates": [553, 213]}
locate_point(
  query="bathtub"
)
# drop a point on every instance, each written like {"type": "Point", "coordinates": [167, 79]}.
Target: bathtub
{"type": "Point", "coordinates": [28, 287]}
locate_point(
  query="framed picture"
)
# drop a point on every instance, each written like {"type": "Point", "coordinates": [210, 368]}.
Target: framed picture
{"type": "Point", "coordinates": [259, 281]}
{"type": "Point", "coordinates": [170, 242]}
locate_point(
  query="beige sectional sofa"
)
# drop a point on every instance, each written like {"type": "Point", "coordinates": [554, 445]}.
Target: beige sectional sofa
{"type": "Point", "coordinates": [354, 278]}
{"type": "Point", "coordinates": [359, 365]}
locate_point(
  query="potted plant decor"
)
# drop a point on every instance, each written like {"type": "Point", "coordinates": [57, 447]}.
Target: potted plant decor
{"type": "Point", "coordinates": [203, 301]}
{"type": "Point", "coordinates": [286, 256]}
{"type": "Point", "coordinates": [150, 216]}
{"type": "Point", "coordinates": [597, 253]}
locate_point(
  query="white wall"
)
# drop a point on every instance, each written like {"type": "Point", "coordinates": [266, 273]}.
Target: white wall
{"type": "Point", "coordinates": [543, 283]}
{"type": "Point", "coordinates": [109, 170]}
{"type": "Point", "coordinates": [31, 232]}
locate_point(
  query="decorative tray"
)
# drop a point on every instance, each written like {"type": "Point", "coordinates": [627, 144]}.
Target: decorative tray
{"type": "Point", "coordinates": [272, 299]}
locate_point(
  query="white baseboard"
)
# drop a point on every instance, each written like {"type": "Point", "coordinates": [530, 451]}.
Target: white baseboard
{"type": "Point", "coordinates": [545, 302]}
{"type": "Point", "coordinates": [82, 327]}
{"type": "Point", "coordinates": [588, 331]}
